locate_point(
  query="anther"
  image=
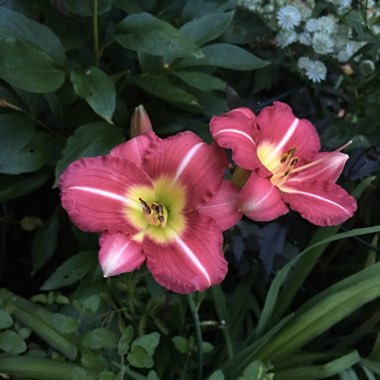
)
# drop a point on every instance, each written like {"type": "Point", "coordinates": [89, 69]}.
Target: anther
{"type": "Point", "coordinates": [145, 207]}
{"type": "Point", "coordinates": [160, 208]}
{"type": "Point", "coordinates": [294, 161]}
{"type": "Point", "coordinates": [161, 218]}
{"type": "Point", "coordinates": [155, 207]}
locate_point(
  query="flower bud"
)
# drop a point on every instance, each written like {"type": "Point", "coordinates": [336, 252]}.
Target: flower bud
{"type": "Point", "coordinates": [140, 122]}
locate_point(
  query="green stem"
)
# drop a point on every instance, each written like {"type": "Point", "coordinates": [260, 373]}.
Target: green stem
{"type": "Point", "coordinates": [95, 27]}
{"type": "Point", "coordinates": [41, 369]}
{"type": "Point", "coordinates": [198, 333]}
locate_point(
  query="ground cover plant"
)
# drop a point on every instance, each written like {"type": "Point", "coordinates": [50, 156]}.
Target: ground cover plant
{"type": "Point", "coordinates": [189, 189]}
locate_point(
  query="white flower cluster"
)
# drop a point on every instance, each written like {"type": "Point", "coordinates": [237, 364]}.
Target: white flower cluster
{"type": "Point", "coordinates": [325, 36]}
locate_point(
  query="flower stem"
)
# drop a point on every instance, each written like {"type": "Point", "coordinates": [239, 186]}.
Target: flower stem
{"type": "Point", "coordinates": [95, 30]}
{"type": "Point", "coordinates": [198, 333]}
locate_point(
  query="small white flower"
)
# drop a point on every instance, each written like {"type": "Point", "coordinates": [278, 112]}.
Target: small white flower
{"type": "Point", "coordinates": [303, 62]}
{"type": "Point", "coordinates": [316, 71]}
{"type": "Point", "coordinates": [288, 17]}
{"type": "Point", "coordinates": [327, 24]}
{"type": "Point", "coordinates": [286, 37]}
{"type": "Point", "coordinates": [344, 5]}
{"type": "Point", "coordinates": [323, 43]}
{"type": "Point", "coordinates": [312, 25]}
{"type": "Point", "coordinates": [305, 38]}
{"type": "Point", "coordinates": [349, 49]}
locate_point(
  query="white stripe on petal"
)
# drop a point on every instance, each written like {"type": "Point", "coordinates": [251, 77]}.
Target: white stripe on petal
{"type": "Point", "coordinates": [190, 154]}
{"type": "Point", "coordinates": [311, 195]}
{"type": "Point", "coordinates": [194, 259]}
{"type": "Point", "coordinates": [110, 265]}
{"type": "Point", "coordinates": [251, 206]}
{"type": "Point", "coordinates": [103, 193]}
{"type": "Point", "coordinates": [246, 135]}
{"type": "Point", "coordinates": [285, 139]}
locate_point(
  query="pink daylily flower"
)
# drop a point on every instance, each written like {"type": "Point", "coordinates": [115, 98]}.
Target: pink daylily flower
{"type": "Point", "coordinates": [278, 157]}
{"type": "Point", "coordinates": [162, 202]}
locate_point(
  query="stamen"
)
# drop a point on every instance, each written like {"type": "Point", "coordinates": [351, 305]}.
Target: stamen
{"type": "Point", "coordinates": [161, 218]}
{"type": "Point", "coordinates": [154, 207]}
{"type": "Point", "coordinates": [300, 168]}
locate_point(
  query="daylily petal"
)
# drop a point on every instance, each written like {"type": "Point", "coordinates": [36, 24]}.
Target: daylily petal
{"type": "Point", "coordinates": [326, 165]}
{"type": "Point", "coordinates": [223, 206]}
{"type": "Point", "coordinates": [260, 200]}
{"type": "Point", "coordinates": [281, 131]}
{"type": "Point", "coordinates": [237, 130]}
{"type": "Point", "coordinates": [187, 160]}
{"type": "Point", "coordinates": [94, 192]}
{"type": "Point", "coordinates": [135, 148]}
{"type": "Point", "coordinates": [321, 203]}
{"type": "Point", "coordinates": [119, 254]}
{"type": "Point", "coordinates": [194, 261]}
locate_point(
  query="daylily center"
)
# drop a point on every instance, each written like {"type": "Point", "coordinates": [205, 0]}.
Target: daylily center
{"type": "Point", "coordinates": [280, 165]}
{"type": "Point", "coordinates": [155, 213]}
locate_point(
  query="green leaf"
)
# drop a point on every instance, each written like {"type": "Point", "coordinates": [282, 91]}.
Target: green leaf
{"type": "Point", "coordinates": [63, 323]}
{"type": "Point", "coordinates": [45, 242]}
{"type": "Point", "coordinates": [217, 375]}
{"type": "Point", "coordinates": [5, 320]}
{"type": "Point", "coordinates": [139, 357]}
{"type": "Point", "coordinates": [320, 371]}
{"type": "Point", "coordinates": [15, 132]}
{"type": "Point", "coordinates": [125, 340]}
{"type": "Point", "coordinates": [16, 186]}
{"type": "Point", "coordinates": [17, 26]}
{"type": "Point", "coordinates": [207, 347]}
{"type": "Point", "coordinates": [97, 89]}
{"type": "Point", "coordinates": [89, 140]}
{"type": "Point", "coordinates": [201, 81]}
{"type": "Point", "coordinates": [99, 338]}
{"type": "Point", "coordinates": [85, 7]}
{"type": "Point", "coordinates": [372, 365]}
{"type": "Point", "coordinates": [149, 342]}
{"type": "Point", "coordinates": [207, 28]}
{"type": "Point", "coordinates": [11, 342]}
{"type": "Point", "coordinates": [226, 56]}
{"type": "Point", "coordinates": [319, 314]}
{"type": "Point", "coordinates": [181, 344]}
{"type": "Point", "coordinates": [255, 370]}
{"type": "Point", "coordinates": [71, 271]}
{"type": "Point", "coordinates": [143, 32]}
{"type": "Point", "coordinates": [161, 87]}
{"type": "Point", "coordinates": [33, 156]}
{"type": "Point", "coordinates": [28, 68]}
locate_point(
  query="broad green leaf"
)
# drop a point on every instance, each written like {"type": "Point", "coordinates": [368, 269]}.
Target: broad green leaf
{"type": "Point", "coordinates": [16, 131]}
{"type": "Point", "coordinates": [257, 371]}
{"type": "Point", "coordinates": [17, 26]}
{"type": "Point", "coordinates": [32, 157]}
{"type": "Point", "coordinates": [12, 186]}
{"type": "Point", "coordinates": [321, 371]}
{"type": "Point", "coordinates": [143, 32]}
{"type": "Point", "coordinates": [63, 323]}
{"type": "Point", "coordinates": [201, 81]}
{"type": "Point", "coordinates": [217, 375]}
{"type": "Point", "coordinates": [181, 344]}
{"type": "Point", "coordinates": [99, 338]}
{"type": "Point", "coordinates": [149, 342]}
{"type": "Point", "coordinates": [11, 342]}
{"type": "Point", "coordinates": [97, 89]}
{"type": "Point", "coordinates": [5, 320]}
{"type": "Point", "coordinates": [226, 56]}
{"type": "Point", "coordinates": [27, 67]}
{"type": "Point", "coordinates": [125, 340]}
{"type": "Point", "coordinates": [139, 358]}
{"type": "Point", "coordinates": [45, 242]}
{"type": "Point", "coordinates": [71, 271]}
{"type": "Point", "coordinates": [207, 28]}
{"type": "Point", "coordinates": [89, 140]}
{"type": "Point", "coordinates": [85, 7]}
{"type": "Point", "coordinates": [161, 87]}
{"type": "Point", "coordinates": [152, 375]}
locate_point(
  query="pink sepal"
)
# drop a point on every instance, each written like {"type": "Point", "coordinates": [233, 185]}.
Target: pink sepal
{"type": "Point", "coordinates": [236, 130]}
{"type": "Point", "coordinates": [223, 206]}
{"type": "Point", "coordinates": [119, 254]}
{"type": "Point", "coordinates": [260, 200]}
{"type": "Point", "coordinates": [321, 203]}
